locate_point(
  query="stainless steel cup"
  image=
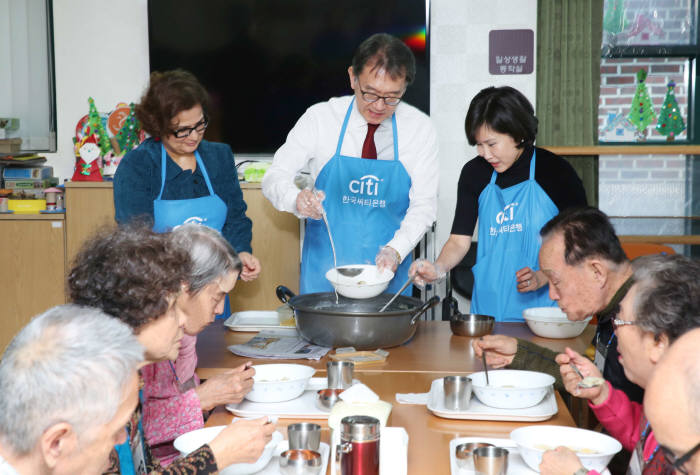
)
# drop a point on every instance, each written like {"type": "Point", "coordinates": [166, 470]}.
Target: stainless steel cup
{"type": "Point", "coordinates": [458, 392]}
{"type": "Point", "coordinates": [340, 374]}
{"type": "Point", "coordinates": [304, 436]}
{"type": "Point", "coordinates": [491, 460]}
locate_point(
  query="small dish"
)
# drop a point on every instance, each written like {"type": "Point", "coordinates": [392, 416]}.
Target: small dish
{"type": "Point", "coordinates": [471, 324]}
{"type": "Point", "coordinates": [327, 398]}
{"type": "Point", "coordinates": [300, 462]}
{"type": "Point", "coordinates": [463, 452]}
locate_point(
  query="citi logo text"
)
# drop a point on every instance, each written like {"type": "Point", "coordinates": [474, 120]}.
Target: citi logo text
{"type": "Point", "coordinates": [367, 185]}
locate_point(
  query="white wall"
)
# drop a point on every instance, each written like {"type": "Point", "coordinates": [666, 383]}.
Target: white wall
{"type": "Point", "coordinates": [101, 50]}
{"type": "Point", "coordinates": [459, 69]}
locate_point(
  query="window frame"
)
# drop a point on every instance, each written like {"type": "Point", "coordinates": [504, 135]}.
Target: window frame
{"type": "Point", "coordinates": [690, 52]}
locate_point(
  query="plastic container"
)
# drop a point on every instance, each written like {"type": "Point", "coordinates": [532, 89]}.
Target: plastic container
{"type": "Point", "coordinates": [26, 206]}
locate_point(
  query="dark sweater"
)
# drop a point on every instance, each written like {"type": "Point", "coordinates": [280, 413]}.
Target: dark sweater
{"type": "Point", "coordinates": [554, 174]}
{"type": "Point", "coordinates": [138, 180]}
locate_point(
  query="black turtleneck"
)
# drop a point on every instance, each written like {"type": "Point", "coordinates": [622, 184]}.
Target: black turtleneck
{"type": "Point", "coordinates": [554, 174]}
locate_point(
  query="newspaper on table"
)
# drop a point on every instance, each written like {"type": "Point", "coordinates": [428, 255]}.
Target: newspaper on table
{"type": "Point", "coordinates": [279, 344]}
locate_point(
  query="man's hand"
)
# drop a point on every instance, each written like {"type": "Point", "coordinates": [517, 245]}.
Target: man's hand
{"type": "Point", "coordinates": [500, 349]}
{"type": "Point", "coordinates": [387, 258]}
{"type": "Point", "coordinates": [309, 204]}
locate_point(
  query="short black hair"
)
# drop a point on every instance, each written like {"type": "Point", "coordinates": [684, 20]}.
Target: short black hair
{"type": "Point", "coordinates": [504, 110]}
{"type": "Point", "coordinates": [388, 53]}
{"type": "Point", "coordinates": [587, 233]}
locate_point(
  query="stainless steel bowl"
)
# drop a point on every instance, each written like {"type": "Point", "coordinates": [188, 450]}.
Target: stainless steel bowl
{"type": "Point", "coordinates": [471, 324]}
{"type": "Point", "coordinates": [300, 462]}
{"type": "Point", "coordinates": [327, 398]}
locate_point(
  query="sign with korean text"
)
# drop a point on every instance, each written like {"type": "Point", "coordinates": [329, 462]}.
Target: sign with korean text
{"type": "Point", "coordinates": [511, 51]}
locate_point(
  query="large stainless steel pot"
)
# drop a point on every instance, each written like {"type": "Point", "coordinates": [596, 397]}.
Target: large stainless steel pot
{"type": "Point", "coordinates": [352, 322]}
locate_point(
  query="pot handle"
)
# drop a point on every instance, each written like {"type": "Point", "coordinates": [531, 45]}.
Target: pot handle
{"type": "Point", "coordinates": [284, 294]}
{"type": "Point", "coordinates": [423, 308]}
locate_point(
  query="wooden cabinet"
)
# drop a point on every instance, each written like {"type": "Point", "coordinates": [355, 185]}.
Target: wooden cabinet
{"type": "Point", "coordinates": [276, 244]}
{"type": "Point", "coordinates": [33, 264]}
{"type": "Point", "coordinates": [90, 205]}
{"type": "Point", "coordinates": [37, 251]}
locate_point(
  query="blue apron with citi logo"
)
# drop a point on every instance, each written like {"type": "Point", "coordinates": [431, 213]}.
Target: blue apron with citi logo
{"type": "Point", "coordinates": [208, 210]}
{"type": "Point", "coordinates": [510, 220]}
{"type": "Point", "coordinates": [366, 200]}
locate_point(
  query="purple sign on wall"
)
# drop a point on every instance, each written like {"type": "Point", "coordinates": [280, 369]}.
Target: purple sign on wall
{"type": "Point", "coordinates": [511, 51]}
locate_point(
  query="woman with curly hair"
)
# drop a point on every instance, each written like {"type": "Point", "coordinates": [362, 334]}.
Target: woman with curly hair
{"type": "Point", "coordinates": [175, 176]}
{"type": "Point", "coordinates": [136, 275]}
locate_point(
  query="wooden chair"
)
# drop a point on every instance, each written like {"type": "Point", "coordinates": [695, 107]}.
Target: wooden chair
{"type": "Point", "coordinates": [636, 249]}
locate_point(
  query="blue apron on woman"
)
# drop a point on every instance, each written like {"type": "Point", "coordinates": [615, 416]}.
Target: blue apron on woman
{"type": "Point", "coordinates": [366, 200]}
{"type": "Point", "coordinates": [510, 220]}
{"type": "Point", "coordinates": [208, 210]}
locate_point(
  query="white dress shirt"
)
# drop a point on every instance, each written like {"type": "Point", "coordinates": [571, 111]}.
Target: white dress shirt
{"type": "Point", "coordinates": [6, 468]}
{"type": "Point", "coordinates": [314, 138]}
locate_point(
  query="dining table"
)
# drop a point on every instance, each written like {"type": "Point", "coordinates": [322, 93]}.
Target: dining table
{"type": "Point", "coordinates": [433, 352]}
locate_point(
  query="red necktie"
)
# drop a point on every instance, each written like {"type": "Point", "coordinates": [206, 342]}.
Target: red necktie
{"type": "Point", "coordinates": [369, 150]}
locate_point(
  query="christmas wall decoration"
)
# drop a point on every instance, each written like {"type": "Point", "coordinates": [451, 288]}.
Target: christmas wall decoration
{"type": "Point", "coordinates": [670, 121]}
{"type": "Point", "coordinates": [642, 113]}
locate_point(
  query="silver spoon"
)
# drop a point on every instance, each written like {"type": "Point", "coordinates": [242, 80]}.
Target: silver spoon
{"type": "Point", "coordinates": [408, 282]}
{"type": "Point", "coordinates": [486, 369]}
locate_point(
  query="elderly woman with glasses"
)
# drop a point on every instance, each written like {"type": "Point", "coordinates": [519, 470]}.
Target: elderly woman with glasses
{"type": "Point", "coordinates": [175, 176]}
{"type": "Point", "coordinates": [662, 304]}
{"type": "Point", "coordinates": [174, 398]}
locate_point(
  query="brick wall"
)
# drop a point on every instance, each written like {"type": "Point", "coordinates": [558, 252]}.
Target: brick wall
{"type": "Point", "coordinates": [618, 83]}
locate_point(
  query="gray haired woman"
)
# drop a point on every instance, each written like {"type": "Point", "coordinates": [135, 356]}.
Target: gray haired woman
{"type": "Point", "coordinates": [174, 397]}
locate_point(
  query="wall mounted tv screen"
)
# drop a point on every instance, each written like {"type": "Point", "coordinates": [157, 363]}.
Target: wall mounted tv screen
{"type": "Point", "coordinates": [264, 62]}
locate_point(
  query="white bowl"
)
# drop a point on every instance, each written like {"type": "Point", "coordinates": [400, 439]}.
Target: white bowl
{"type": "Point", "coordinates": [551, 322]}
{"type": "Point", "coordinates": [369, 283]}
{"type": "Point", "coordinates": [191, 441]}
{"type": "Point", "coordinates": [279, 382]}
{"type": "Point", "coordinates": [534, 440]}
{"type": "Point", "coordinates": [510, 388]}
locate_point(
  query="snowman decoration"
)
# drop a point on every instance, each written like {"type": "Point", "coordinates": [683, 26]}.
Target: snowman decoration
{"type": "Point", "coordinates": [87, 160]}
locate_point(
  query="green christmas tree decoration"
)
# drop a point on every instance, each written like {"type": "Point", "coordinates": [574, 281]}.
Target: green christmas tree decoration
{"type": "Point", "coordinates": [97, 127]}
{"type": "Point", "coordinates": [670, 121]}
{"type": "Point", "coordinates": [614, 17]}
{"type": "Point", "coordinates": [642, 113]}
{"type": "Point", "coordinates": [128, 134]}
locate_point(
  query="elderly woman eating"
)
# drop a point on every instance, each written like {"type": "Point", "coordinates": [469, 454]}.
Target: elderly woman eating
{"type": "Point", "coordinates": [174, 399]}
{"type": "Point", "coordinates": [136, 276]}
{"type": "Point", "coordinates": [662, 304]}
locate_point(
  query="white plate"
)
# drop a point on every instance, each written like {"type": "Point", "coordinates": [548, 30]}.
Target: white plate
{"type": "Point", "coordinates": [273, 467]}
{"type": "Point", "coordinates": [256, 320]}
{"type": "Point", "coordinates": [303, 407]}
{"type": "Point", "coordinates": [516, 464]}
{"type": "Point", "coordinates": [480, 412]}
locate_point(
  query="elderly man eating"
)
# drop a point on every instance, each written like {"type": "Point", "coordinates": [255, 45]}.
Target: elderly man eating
{"type": "Point", "coordinates": [588, 274]}
{"type": "Point", "coordinates": [68, 385]}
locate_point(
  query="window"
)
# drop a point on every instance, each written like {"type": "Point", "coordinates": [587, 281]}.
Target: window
{"type": "Point", "coordinates": [650, 194]}
{"type": "Point", "coordinates": [27, 75]}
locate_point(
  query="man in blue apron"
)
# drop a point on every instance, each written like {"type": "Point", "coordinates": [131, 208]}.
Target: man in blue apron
{"type": "Point", "coordinates": [373, 159]}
